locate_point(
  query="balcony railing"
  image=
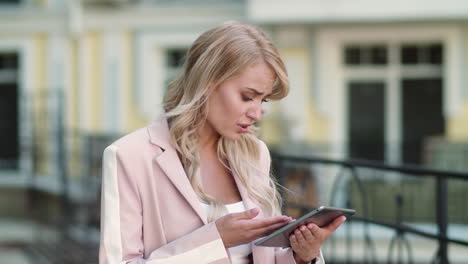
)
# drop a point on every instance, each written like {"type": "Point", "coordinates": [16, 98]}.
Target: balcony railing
{"type": "Point", "coordinates": [405, 214]}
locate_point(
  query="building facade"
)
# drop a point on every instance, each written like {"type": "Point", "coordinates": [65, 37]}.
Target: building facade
{"type": "Point", "coordinates": [379, 80]}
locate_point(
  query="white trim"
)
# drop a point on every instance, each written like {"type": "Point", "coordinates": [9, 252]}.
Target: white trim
{"type": "Point", "coordinates": [58, 74]}
{"type": "Point", "coordinates": [322, 11]}
{"type": "Point", "coordinates": [331, 84]}
{"type": "Point", "coordinates": [393, 115]}
{"type": "Point", "coordinates": [32, 20]}
{"type": "Point", "coordinates": [294, 105]}
{"type": "Point", "coordinates": [166, 16]}
{"type": "Point", "coordinates": [151, 69]}
{"type": "Point", "coordinates": [24, 47]}
{"type": "Point", "coordinates": [83, 83]}
{"type": "Point", "coordinates": [71, 17]}
{"type": "Point", "coordinates": [113, 110]}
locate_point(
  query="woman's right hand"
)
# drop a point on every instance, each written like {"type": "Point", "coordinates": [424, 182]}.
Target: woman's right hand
{"type": "Point", "coordinates": [240, 228]}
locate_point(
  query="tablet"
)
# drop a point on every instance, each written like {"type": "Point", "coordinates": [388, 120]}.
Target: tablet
{"type": "Point", "coordinates": [321, 216]}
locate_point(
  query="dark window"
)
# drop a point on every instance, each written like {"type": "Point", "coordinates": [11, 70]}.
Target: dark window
{"type": "Point", "coordinates": [410, 54]}
{"type": "Point", "coordinates": [378, 55]}
{"type": "Point", "coordinates": [353, 55]}
{"type": "Point", "coordinates": [8, 61]}
{"type": "Point", "coordinates": [435, 54]}
{"type": "Point", "coordinates": [422, 116]}
{"type": "Point", "coordinates": [9, 140]}
{"type": "Point", "coordinates": [175, 57]}
{"type": "Point", "coordinates": [366, 119]}
{"type": "Point", "coordinates": [366, 55]}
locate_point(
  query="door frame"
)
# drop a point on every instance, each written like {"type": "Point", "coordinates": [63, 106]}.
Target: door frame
{"type": "Point", "coordinates": [332, 76]}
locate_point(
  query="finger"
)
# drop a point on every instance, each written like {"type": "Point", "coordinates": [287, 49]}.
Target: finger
{"type": "Point", "coordinates": [314, 229]}
{"type": "Point", "coordinates": [266, 222]}
{"type": "Point", "coordinates": [335, 224]}
{"type": "Point", "coordinates": [308, 234]}
{"type": "Point", "coordinates": [299, 236]}
{"type": "Point", "coordinates": [249, 214]}
{"type": "Point", "coordinates": [293, 241]}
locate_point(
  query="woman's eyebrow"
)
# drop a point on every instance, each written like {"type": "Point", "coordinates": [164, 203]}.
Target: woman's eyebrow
{"type": "Point", "coordinates": [257, 92]}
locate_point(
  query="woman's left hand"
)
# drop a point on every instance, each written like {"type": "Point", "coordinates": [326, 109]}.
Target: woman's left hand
{"type": "Point", "coordinates": [306, 240]}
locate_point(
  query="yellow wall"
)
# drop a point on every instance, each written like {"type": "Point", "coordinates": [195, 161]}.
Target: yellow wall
{"type": "Point", "coordinates": [72, 112]}
{"type": "Point", "coordinates": [39, 103]}
{"type": "Point", "coordinates": [270, 126]}
{"type": "Point", "coordinates": [132, 119]}
{"type": "Point", "coordinates": [316, 126]}
{"type": "Point", "coordinates": [457, 127]}
{"type": "Point", "coordinates": [95, 89]}
{"type": "Point", "coordinates": [72, 94]}
{"type": "Point", "coordinates": [41, 3]}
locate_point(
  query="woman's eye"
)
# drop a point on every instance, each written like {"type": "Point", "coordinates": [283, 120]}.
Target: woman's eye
{"type": "Point", "coordinates": [265, 101]}
{"type": "Point", "coordinates": [245, 98]}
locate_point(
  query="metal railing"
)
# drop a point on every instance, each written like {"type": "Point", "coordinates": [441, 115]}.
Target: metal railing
{"type": "Point", "coordinates": [350, 184]}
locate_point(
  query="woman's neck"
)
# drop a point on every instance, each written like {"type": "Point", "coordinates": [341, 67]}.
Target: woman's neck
{"type": "Point", "coordinates": [208, 138]}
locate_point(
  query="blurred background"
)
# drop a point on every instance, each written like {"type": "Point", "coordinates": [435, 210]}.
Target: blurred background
{"type": "Point", "coordinates": [376, 120]}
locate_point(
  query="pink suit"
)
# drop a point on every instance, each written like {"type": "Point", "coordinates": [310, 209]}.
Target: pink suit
{"type": "Point", "coordinates": [150, 212]}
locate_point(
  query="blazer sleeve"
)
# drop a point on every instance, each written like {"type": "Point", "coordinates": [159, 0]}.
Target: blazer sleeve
{"type": "Point", "coordinates": [282, 256]}
{"type": "Point", "coordinates": [122, 225]}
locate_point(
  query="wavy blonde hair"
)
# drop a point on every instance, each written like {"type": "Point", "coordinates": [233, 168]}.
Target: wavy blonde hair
{"type": "Point", "coordinates": [217, 55]}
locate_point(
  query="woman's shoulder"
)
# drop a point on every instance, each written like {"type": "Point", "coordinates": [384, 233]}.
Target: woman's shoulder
{"type": "Point", "coordinates": [138, 143]}
{"type": "Point", "coordinates": [134, 139]}
{"type": "Point", "coordinates": [128, 145]}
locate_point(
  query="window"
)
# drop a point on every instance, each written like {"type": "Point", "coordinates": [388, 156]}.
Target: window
{"type": "Point", "coordinates": [174, 61]}
{"type": "Point", "coordinates": [8, 61]}
{"type": "Point", "coordinates": [412, 54]}
{"type": "Point", "coordinates": [415, 93]}
{"type": "Point", "coordinates": [9, 140]}
{"type": "Point", "coordinates": [365, 55]}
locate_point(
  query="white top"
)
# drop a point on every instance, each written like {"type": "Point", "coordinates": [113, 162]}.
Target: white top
{"type": "Point", "coordinates": [239, 254]}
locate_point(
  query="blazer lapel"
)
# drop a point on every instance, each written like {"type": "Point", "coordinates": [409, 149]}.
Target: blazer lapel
{"type": "Point", "coordinates": [171, 165]}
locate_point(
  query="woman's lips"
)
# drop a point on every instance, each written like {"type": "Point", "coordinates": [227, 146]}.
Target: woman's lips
{"type": "Point", "coordinates": [244, 128]}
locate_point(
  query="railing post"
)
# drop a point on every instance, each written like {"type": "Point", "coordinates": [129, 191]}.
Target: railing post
{"type": "Point", "coordinates": [442, 218]}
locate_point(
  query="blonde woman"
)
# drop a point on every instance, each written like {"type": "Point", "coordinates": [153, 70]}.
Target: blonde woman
{"type": "Point", "coordinates": [194, 186]}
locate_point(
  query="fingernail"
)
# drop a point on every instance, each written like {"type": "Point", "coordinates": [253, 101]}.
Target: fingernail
{"type": "Point", "coordinates": [254, 210]}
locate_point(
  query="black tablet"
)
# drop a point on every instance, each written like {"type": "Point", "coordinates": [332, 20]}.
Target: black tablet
{"type": "Point", "coordinates": [321, 216]}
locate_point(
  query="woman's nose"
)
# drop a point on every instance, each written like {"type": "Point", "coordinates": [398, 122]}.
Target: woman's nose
{"type": "Point", "coordinates": [255, 113]}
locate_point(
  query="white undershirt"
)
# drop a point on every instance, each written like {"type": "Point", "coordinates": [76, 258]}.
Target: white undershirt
{"type": "Point", "coordinates": [239, 254]}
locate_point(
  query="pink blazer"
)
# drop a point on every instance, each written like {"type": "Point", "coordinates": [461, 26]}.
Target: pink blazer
{"type": "Point", "coordinates": [150, 212]}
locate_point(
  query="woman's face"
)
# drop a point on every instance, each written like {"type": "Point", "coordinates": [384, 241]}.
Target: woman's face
{"type": "Point", "coordinates": [237, 102]}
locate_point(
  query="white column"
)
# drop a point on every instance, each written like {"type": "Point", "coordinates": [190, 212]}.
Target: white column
{"type": "Point", "coordinates": [294, 104]}
{"type": "Point", "coordinates": [113, 103]}
{"type": "Point", "coordinates": [83, 84]}
{"type": "Point", "coordinates": [58, 79]}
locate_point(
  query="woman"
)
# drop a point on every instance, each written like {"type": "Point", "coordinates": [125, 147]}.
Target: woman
{"type": "Point", "coordinates": [194, 186]}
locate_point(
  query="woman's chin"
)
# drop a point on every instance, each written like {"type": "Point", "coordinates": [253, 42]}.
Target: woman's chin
{"type": "Point", "coordinates": [233, 137]}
